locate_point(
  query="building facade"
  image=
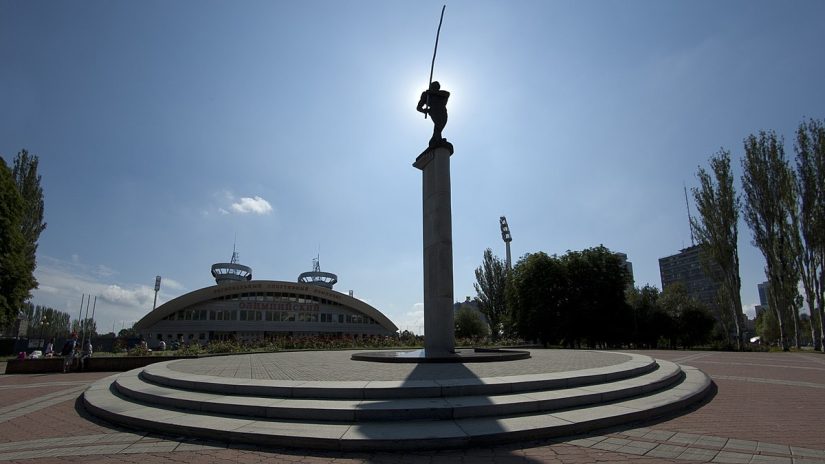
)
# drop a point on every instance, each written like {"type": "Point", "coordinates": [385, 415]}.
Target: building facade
{"type": "Point", "coordinates": [764, 292]}
{"type": "Point", "coordinates": [242, 309]}
{"type": "Point", "coordinates": [628, 266]}
{"type": "Point", "coordinates": [686, 268]}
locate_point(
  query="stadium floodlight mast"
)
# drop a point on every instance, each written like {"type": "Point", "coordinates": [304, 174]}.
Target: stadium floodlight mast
{"type": "Point", "coordinates": [505, 235]}
{"type": "Point", "coordinates": [157, 288]}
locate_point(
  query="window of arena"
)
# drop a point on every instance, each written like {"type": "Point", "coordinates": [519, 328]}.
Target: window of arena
{"type": "Point", "coordinates": [249, 315]}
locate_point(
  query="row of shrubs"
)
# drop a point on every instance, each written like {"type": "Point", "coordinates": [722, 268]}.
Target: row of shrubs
{"type": "Point", "coordinates": [406, 340]}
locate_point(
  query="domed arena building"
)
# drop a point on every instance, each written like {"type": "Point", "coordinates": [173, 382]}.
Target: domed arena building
{"type": "Point", "coordinates": [242, 309]}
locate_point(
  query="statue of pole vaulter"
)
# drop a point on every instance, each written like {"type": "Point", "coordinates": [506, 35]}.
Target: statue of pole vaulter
{"type": "Point", "coordinates": [433, 102]}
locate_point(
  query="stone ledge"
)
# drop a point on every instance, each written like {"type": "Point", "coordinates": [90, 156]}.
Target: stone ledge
{"type": "Point", "coordinates": [162, 374]}
{"type": "Point", "coordinates": [105, 403]}
{"type": "Point", "coordinates": [101, 364]}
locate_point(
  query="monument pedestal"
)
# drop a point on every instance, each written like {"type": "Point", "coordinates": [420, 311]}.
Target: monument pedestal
{"type": "Point", "coordinates": [439, 322]}
{"type": "Point", "coordinates": [439, 325]}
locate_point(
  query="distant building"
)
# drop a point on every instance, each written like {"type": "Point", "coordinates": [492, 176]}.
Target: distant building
{"type": "Point", "coordinates": [686, 267]}
{"type": "Point", "coordinates": [240, 308]}
{"type": "Point", "coordinates": [764, 295]}
{"type": "Point", "coordinates": [631, 282]}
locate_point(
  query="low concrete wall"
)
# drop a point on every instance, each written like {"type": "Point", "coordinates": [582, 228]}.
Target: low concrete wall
{"type": "Point", "coordinates": [103, 364]}
{"type": "Point", "coordinates": [34, 366]}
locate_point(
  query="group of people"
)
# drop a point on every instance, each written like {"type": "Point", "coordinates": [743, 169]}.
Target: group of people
{"type": "Point", "coordinates": [72, 351]}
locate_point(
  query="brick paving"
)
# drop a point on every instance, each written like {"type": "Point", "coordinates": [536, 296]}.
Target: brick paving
{"type": "Point", "coordinates": [768, 408]}
{"type": "Point", "coordinates": [774, 397]}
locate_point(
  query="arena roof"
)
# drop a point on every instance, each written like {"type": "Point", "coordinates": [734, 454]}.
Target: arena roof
{"type": "Point", "coordinates": [253, 286]}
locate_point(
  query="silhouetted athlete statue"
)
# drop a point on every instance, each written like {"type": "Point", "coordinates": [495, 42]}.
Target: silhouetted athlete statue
{"type": "Point", "coordinates": [435, 101]}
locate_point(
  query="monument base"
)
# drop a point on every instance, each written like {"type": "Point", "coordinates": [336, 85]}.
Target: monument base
{"type": "Point", "coordinates": [439, 324]}
{"type": "Point", "coordinates": [469, 355]}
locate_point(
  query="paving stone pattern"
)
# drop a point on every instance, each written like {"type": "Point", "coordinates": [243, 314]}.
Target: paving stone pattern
{"type": "Point", "coordinates": [765, 414]}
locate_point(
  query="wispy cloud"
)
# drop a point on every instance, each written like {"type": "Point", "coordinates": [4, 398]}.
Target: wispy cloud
{"type": "Point", "coordinates": [413, 320]}
{"type": "Point", "coordinates": [105, 271]}
{"type": "Point", "coordinates": [256, 205]}
{"type": "Point", "coordinates": [173, 284]}
{"type": "Point", "coordinates": [62, 284]}
{"type": "Point", "coordinates": [226, 203]}
{"type": "Point", "coordinates": [749, 310]}
{"type": "Point", "coordinates": [138, 297]}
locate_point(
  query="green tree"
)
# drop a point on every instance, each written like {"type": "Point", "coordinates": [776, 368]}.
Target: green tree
{"type": "Point", "coordinates": [14, 289]}
{"type": "Point", "coordinates": [695, 326]}
{"type": "Point", "coordinates": [130, 332]}
{"type": "Point", "coordinates": [597, 308]}
{"type": "Point", "coordinates": [644, 304]}
{"type": "Point", "coordinates": [468, 323]}
{"type": "Point", "coordinates": [46, 321]}
{"type": "Point", "coordinates": [716, 229]}
{"type": "Point", "coordinates": [28, 184]}
{"type": "Point", "coordinates": [490, 285]}
{"type": "Point", "coordinates": [538, 297]}
{"type": "Point", "coordinates": [691, 321]}
{"type": "Point", "coordinates": [578, 298]}
{"type": "Point", "coordinates": [810, 176]}
{"type": "Point", "coordinates": [767, 327]}
{"type": "Point", "coordinates": [87, 326]}
{"type": "Point", "coordinates": [770, 198]}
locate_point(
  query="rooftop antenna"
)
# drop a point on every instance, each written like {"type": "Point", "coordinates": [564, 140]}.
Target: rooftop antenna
{"type": "Point", "coordinates": [690, 219]}
{"type": "Point", "coordinates": [234, 259]}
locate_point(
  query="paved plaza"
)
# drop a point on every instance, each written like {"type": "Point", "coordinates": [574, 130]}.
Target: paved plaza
{"type": "Point", "coordinates": [768, 408]}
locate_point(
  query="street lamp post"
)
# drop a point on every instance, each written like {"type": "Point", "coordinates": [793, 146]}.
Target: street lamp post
{"type": "Point", "coordinates": [44, 322]}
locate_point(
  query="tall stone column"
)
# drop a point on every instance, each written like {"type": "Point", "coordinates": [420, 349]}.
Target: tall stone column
{"type": "Point", "coordinates": [439, 326]}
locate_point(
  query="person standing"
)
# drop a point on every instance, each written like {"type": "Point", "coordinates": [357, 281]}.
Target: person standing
{"type": "Point", "coordinates": [49, 352]}
{"type": "Point", "coordinates": [86, 354]}
{"type": "Point", "coordinates": [68, 352]}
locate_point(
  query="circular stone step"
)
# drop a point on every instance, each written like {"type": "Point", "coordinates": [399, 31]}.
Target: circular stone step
{"type": "Point", "coordinates": [459, 356]}
{"type": "Point", "coordinates": [620, 389]}
{"type": "Point", "coordinates": [328, 374]}
{"type": "Point", "coordinates": [134, 387]}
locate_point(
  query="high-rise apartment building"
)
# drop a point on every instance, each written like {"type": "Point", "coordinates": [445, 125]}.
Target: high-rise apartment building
{"type": "Point", "coordinates": [686, 267]}
{"type": "Point", "coordinates": [764, 293]}
{"type": "Point", "coordinates": [629, 267]}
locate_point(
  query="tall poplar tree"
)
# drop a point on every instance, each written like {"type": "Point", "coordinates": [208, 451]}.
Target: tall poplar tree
{"type": "Point", "coordinates": [28, 184]}
{"type": "Point", "coordinates": [770, 197]}
{"type": "Point", "coordinates": [810, 175]}
{"type": "Point", "coordinates": [13, 285]}
{"type": "Point", "coordinates": [716, 229]}
{"type": "Point", "coordinates": [490, 285]}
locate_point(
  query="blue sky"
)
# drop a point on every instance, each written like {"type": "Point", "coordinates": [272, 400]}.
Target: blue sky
{"type": "Point", "coordinates": [167, 129]}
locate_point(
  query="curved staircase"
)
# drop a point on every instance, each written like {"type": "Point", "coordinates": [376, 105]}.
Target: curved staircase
{"type": "Point", "coordinates": [393, 415]}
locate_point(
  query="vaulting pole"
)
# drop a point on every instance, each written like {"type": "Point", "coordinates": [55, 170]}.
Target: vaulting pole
{"type": "Point", "coordinates": [435, 50]}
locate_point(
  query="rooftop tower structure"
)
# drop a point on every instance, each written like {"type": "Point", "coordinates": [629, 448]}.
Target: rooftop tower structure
{"type": "Point", "coordinates": [316, 277]}
{"type": "Point", "coordinates": [232, 271]}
